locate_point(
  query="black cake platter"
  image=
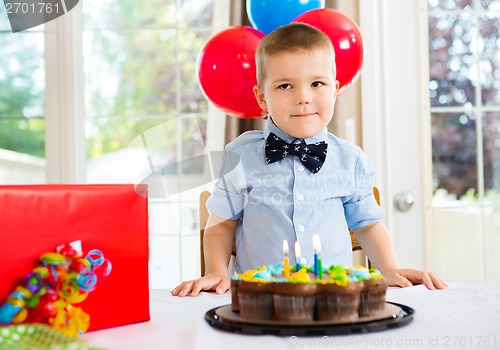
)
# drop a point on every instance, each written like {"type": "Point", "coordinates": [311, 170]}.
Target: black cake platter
{"type": "Point", "coordinates": [395, 315]}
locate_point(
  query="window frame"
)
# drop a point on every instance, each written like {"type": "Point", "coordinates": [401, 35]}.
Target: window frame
{"type": "Point", "coordinates": [64, 117]}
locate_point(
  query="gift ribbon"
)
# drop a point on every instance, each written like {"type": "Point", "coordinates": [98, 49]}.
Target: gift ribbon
{"type": "Point", "coordinates": [51, 289]}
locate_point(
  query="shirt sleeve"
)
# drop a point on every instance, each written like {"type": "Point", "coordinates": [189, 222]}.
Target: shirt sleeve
{"type": "Point", "coordinates": [227, 199]}
{"type": "Point", "coordinates": [361, 209]}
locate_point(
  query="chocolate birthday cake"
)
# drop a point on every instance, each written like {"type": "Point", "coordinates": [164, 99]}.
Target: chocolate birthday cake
{"type": "Point", "coordinates": [336, 294]}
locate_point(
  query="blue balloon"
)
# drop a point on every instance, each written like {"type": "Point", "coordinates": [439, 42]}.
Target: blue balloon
{"type": "Point", "coordinates": [267, 15]}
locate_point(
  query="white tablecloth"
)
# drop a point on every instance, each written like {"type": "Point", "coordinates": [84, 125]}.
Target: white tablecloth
{"type": "Point", "coordinates": [464, 316]}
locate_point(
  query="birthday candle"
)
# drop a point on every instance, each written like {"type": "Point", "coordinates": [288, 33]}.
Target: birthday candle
{"type": "Point", "coordinates": [297, 256]}
{"type": "Point", "coordinates": [318, 265]}
{"type": "Point", "coordinates": [315, 246]}
{"type": "Point", "coordinates": [286, 261]}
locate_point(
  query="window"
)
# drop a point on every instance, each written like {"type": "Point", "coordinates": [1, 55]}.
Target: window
{"type": "Point", "coordinates": [108, 93]}
{"type": "Point", "coordinates": [22, 113]}
{"type": "Point", "coordinates": [464, 48]}
{"type": "Point", "coordinates": [145, 116]}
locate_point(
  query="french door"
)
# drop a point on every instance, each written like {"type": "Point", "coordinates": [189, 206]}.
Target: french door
{"type": "Point", "coordinates": [431, 125]}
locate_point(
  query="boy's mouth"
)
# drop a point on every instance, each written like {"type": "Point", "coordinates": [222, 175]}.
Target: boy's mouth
{"type": "Point", "coordinates": [304, 115]}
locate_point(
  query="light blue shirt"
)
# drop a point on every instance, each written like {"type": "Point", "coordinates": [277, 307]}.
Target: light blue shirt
{"type": "Point", "coordinates": [284, 200]}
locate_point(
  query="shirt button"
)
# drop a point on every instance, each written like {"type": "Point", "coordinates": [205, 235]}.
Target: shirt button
{"type": "Point", "coordinates": [302, 228]}
{"type": "Point", "coordinates": [300, 197]}
{"type": "Point", "coordinates": [301, 168]}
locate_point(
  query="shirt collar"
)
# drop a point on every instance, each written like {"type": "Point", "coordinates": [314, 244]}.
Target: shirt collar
{"type": "Point", "coordinates": [270, 127]}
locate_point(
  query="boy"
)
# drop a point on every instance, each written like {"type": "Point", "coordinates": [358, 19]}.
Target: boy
{"type": "Point", "coordinates": [294, 179]}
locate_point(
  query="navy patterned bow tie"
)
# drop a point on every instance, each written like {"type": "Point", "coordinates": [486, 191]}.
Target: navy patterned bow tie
{"type": "Point", "coordinates": [311, 155]}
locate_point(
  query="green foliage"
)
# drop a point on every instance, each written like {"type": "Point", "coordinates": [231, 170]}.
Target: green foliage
{"type": "Point", "coordinates": [24, 136]}
{"type": "Point", "coordinates": [21, 93]}
{"type": "Point", "coordinates": [149, 65]}
{"type": "Point", "coordinates": [139, 69]}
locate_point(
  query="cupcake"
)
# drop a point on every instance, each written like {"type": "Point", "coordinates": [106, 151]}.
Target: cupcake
{"type": "Point", "coordinates": [235, 305]}
{"type": "Point", "coordinates": [338, 298]}
{"type": "Point", "coordinates": [372, 298]}
{"type": "Point", "coordinates": [294, 300]}
{"type": "Point", "coordinates": [255, 298]}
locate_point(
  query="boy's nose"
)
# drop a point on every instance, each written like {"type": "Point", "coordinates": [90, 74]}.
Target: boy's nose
{"type": "Point", "coordinates": [303, 96]}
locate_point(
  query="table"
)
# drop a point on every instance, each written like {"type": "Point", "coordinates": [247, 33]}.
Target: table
{"type": "Point", "coordinates": [464, 316]}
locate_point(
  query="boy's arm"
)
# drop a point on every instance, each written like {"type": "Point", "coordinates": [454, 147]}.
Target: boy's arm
{"type": "Point", "coordinates": [218, 244]}
{"type": "Point", "coordinates": [375, 242]}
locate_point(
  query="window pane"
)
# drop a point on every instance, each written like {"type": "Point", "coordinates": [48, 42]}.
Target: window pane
{"type": "Point", "coordinates": [452, 72]}
{"type": "Point", "coordinates": [4, 19]}
{"type": "Point", "coordinates": [195, 13]}
{"type": "Point", "coordinates": [132, 150]}
{"type": "Point", "coordinates": [490, 59]}
{"type": "Point", "coordinates": [193, 100]}
{"type": "Point", "coordinates": [490, 5]}
{"type": "Point", "coordinates": [130, 74]}
{"type": "Point", "coordinates": [128, 14]}
{"type": "Point", "coordinates": [22, 151]}
{"type": "Point", "coordinates": [492, 239]}
{"type": "Point", "coordinates": [491, 154]}
{"type": "Point", "coordinates": [457, 228]}
{"type": "Point", "coordinates": [109, 14]}
{"type": "Point", "coordinates": [448, 4]}
{"type": "Point", "coordinates": [454, 159]}
{"type": "Point", "coordinates": [22, 124]}
{"type": "Point", "coordinates": [147, 74]}
{"type": "Point", "coordinates": [146, 116]}
{"type": "Point", "coordinates": [22, 74]}
{"type": "Point", "coordinates": [465, 59]}
{"type": "Point", "coordinates": [110, 157]}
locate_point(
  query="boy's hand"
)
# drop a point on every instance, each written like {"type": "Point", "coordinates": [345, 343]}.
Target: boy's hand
{"type": "Point", "coordinates": [209, 282]}
{"type": "Point", "coordinates": [409, 277]}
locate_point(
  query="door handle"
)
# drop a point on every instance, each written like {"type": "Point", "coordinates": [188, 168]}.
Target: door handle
{"type": "Point", "coordinates": [403, 201]}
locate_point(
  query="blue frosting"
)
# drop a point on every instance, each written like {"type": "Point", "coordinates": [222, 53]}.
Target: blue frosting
{"type": "Point", "coordinates": [280, 279]}
{"type": "Point", "coordinates": [263, 275]}
{"type": "Point", "coordinates": [360, 274]}
{"type": "Point", "coordinates": [235, 276]}
{"type": "Point", "coordinates": [275, 269]}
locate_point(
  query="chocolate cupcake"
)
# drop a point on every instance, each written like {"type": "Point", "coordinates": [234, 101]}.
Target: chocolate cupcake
{"type": "Point", "coordinates": [235, 304]}
{"type": "Point", "coordinates": [255, 300]}
{"type": "Point", "coordinates": [338, 299]}
{"type": "Point", "coordinates": [372, 298]}
{"type": "Point", "coordinates": [295, 300]}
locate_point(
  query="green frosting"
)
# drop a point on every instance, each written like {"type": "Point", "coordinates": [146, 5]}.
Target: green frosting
{"type": "Point", "coordinates": [375, 274]}
{"type": "Point", "coordinates": [336, 269]}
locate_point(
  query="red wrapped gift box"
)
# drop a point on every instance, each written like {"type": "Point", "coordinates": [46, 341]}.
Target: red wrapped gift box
{"type": "Point", "coordinates": [35, 219]}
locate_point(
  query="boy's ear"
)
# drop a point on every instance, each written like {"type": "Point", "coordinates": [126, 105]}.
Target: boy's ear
{"type": "Point", "coordinates": [259, 95]}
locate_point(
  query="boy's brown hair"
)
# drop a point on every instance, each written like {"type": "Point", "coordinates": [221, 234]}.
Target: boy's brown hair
{"type": "Point", "coordinates": [289, 38]}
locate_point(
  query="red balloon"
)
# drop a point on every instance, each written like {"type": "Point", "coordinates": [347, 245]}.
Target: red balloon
{"type": "Point", "coordinates": [346, 39]}
{"type": "Point", "coordinates": [226, 71]}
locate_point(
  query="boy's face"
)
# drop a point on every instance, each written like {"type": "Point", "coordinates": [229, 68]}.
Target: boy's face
{"type": "Point", "coordinates": [299, 91]}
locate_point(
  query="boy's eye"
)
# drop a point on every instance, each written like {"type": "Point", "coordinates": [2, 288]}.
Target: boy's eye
{"type": "Point", "coordinates": [317, 84]}
{"type": "Point", "coordinates": [285, 86]}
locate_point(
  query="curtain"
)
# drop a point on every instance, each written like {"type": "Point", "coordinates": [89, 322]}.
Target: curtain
{"type": "Point", "coordinates": [237, 126]}
{"type": "Point", "coordinates": [347, 119]}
